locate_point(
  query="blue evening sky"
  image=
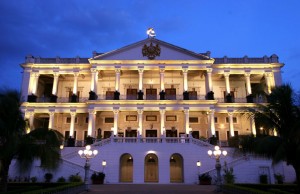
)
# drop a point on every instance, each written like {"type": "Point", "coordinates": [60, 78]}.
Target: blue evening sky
{"type": "Point", "coordinates": [68, 28]}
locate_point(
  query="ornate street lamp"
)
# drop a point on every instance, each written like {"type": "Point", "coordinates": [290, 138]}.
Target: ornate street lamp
{"type": "Point", "coordinates": [103, 165]}
{"type": "Point", "coordinates": [217, 153]}
{"type": "Point", "coordinates": [87, 154]}
{"type": "Point", "coordinates": [198, 163]}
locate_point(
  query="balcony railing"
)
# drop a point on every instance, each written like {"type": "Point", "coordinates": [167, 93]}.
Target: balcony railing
{"type": "Point", "coordinates": [124, 97]}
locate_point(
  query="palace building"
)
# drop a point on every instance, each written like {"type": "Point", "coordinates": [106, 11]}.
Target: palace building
{"type": "Point", "coordinates": [150, 109]}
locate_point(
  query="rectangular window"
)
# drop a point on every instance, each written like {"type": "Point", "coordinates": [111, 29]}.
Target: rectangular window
{"type": "Point", "coordinates": [86, 119]}
{"type": "Point", "coordinates": [131, 118]}
{"type": "Point", "coordinates": [234, 120]}
{"type": "Point", "coordinates": [109, 120]}
{"type": "Point", "coordinates": [151, 118]}
{"type": "Point", "coordinates": [194, 120]}
{"type": "Point", "coordinates": [216, 119]}
{"type": "Point", "coordinates": [68, 120]}
{"type": "Point", "coordinates": [171, 118]}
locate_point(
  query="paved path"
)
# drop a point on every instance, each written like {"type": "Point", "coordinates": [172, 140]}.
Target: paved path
{"type": "Point", "coordinates": [150, 189]}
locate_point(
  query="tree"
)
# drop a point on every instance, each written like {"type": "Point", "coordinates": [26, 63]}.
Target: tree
{"type": "Point", "coordinates": [282, 115]}
{"type": "Point", "coordinates": [40, 144]}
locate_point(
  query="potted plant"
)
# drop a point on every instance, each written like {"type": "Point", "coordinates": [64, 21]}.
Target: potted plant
{"type": "Point", "coordinates": [279, 178]}
{"type": "Point", "coordinates": [229, 177]}
{"type": "Point", "coordinates": [263, 179]}
{"type": "Point", "coordinates": [48, 176]}
{"type": "Point", "coordinates": [98, 178]}
{"type": "Point", "coordinates": [204, 179]}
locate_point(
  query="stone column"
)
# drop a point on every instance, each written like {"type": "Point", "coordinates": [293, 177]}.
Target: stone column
{"type": "Point", "coordinates": [231, 129]}
{"type": "Point", "coordinates": [31, 119]}
{"type": "Point", "coordinates": [187, 120]}
{"type": "Point", "coordinates": [248, 83]}
{"type": "Point", "coordinates": [31, 83]}
{"type": "Point", "coordinates": [269, 81]}
{"type": "Point", "coordinates": [51, 120]}
{"type": "Point", "coordinates": [91, 124]}
{"type": "Point", "coordinates": [209, 80]}
{"type": "Point", "coordinates": [211, 119]}
{"type": "Point", "coordinates": [252, 125]}
{"type": "Point", "coordinates": [117, 82]}
{"type": "Point", "coordinates": [185, 79]}
{"type": "Point", "coordinates": [140, 120]}
{"type": "Point", "coordinates": [35, 83]}
{"type": "Point", "coordinates": [55, 83]}
{"type": "Point", "coordinates": [75, 84]}
{"type": "Point", "coordinates": [116, 117]}
{"type": "Point", "coordinates": [141, 70]}
{"type": "Point", "coordinates": [226, 75]}
{"type": "Point", "coordinates": [72, 125]}
{"type": "Point", "coordinates": [162, 78]}
{"type": "Point", "coordinates": [94, 80]}
{"type": "Point", "coordinates": [162, 121]}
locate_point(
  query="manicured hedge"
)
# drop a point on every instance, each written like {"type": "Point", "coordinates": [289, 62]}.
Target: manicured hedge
{"type": "Point", "coordinates": [37, 188]}
{"type": "Point", "coordinates": [234, 189]}
{"type": "Point", "coordinates": [266, 187]}
{"type": "Point", "coordinates": [76, 187]}
{"type": "Point", "coordinates": [258, 189]}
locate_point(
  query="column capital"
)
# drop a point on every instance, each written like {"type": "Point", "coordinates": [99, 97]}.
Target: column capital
{"type": "Point", "coordinates": [92, 111]}
{"type": "Point", "coordinates": [268, 74]}
{"type": "Point", "coordinates": [140, 111]}
{"type": "Point", "coordinates": [116, 111]}
{"type": "Point", "coordinates": [230, 113]}
{"type": "Point", "coordinates": [30, 113]}
{"type": "Point", "coordinates": [186, 110]}
{"type": "Point", "coordinates": [118, 69]}
{"type": "Point", "coordinates": [56, 74]}
{"type": "Point", "coordinates": [247, 74]}
{"type": "Point", "coordinates": [162, 70]}
{"type": "Point", "coordinates": [226, 74]}
{"type": "Point", "coordinates": [140, 69]}
{"type": "Point", "coordinates": [76, 74]}
{"type": "Point", "coordinates": [209, 70]}
{"type": "Point", "coordinates": [211, 111]}
{"type": "Point", "coordinates": [94, 70]}
{"type": "Point", "coordinates": [185, 69]}
{"type": "Point", "coordinates": [162, 111]}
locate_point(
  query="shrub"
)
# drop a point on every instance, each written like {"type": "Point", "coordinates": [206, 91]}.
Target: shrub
{"type": "Point", "coordinates": [33, 179]}
{"type": "Point", "coordinates": [204, 179]}
{"type": "Point", "coordinates": [279, 178]}
{"type": "Point", "coordinates": [229, 177]}
{"type": "Point", "coordinates": [98, 178]}
{"type": "Point", "coordinates": [48, 176]}
{"type": "Point", "coordinates": [61, 179]}
{"type": "Point", "coordinates": [263, 179]}
{"type": "Point", "coordinates": [75, 178]}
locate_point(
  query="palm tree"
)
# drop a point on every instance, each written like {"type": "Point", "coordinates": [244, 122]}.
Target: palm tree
{"type": "Point", "coordinates": [282, 115]}
{"type": "Point", "coordinates": [40, 144]}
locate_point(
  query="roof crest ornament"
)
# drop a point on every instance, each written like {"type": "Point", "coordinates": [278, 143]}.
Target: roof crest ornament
{"type": "Point", "coordinates": [151, 33]}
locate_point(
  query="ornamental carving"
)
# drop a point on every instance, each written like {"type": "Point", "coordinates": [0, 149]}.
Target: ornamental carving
{"type": "Point", "coordinates": [151, 51]}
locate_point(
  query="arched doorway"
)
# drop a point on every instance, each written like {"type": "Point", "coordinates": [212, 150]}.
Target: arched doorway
{"type": "Point", "coordinates": [176, 168]}
{"type": "Point", "coordinates": [151, 168]}
{"type": "Point", "coordinates": [126, 168]}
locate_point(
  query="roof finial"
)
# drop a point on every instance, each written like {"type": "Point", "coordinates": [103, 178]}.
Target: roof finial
{"type": "Point", "coordinates": [151, 33]}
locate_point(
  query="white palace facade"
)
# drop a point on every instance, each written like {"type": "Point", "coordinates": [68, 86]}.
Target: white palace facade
{"type": "Point", "coordinates": [150, 109]}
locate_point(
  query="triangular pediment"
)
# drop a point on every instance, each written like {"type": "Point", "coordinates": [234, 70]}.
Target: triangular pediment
{"type": "Point", "coordinates": [159, 49]}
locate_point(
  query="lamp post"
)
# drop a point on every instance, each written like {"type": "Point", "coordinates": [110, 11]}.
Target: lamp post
{"type": "Point", "coordinates": [198, 163]}
{"type": "Point", "coordinates": [87, 154]}
{"type": "Point", "coordinates": [103, 165]}
{"type": "Point", "coordinates": [217, 153]}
